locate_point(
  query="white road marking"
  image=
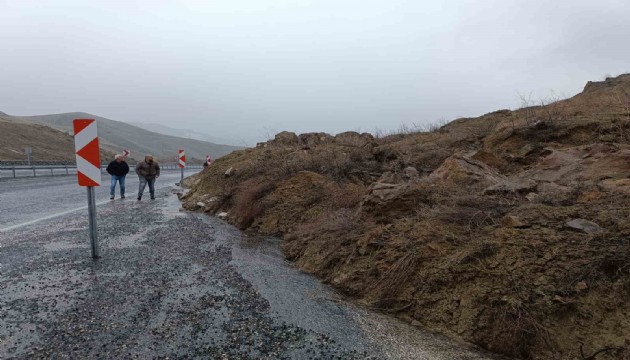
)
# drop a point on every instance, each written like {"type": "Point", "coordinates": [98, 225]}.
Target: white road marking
{"type": "Point", "coordinates": [52, 216]}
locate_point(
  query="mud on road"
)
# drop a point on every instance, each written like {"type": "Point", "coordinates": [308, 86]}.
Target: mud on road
{"type": "Point", "coordinates": [179, 285]}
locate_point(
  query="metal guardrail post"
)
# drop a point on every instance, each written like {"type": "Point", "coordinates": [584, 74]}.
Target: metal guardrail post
{"type": "Point", "coordinates": [52, 172]}
{"type": "Point", "coordinates": [34, 173]}
{"type": "Point", "coordinates": [67, 170]}
{"type": "Point", "coordinates": [14, 171]}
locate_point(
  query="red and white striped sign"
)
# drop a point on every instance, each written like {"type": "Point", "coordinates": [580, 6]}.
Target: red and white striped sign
{"type": "Point", "coordinates": [126, 153]}
{"type": "Point", "coordinates": [182, 159]}
{"type": "Point", "coordinates": [87, 152]}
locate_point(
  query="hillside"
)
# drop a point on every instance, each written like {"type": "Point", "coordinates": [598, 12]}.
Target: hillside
{"type": "Point", "coordinates": [47, 143]}
{"type": "Point", "coordinates": [509, 230]}
{"type": "Point", "coordinates": [119, 135]}
{"type": "Point", "coordinates": [185, 133]}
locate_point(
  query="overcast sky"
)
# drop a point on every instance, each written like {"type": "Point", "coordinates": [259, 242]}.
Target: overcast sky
{"type": "Point", "coordinates": [249, 68]}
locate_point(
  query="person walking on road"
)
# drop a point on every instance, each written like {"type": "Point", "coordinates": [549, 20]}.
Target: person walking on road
{"type": "Point", "coordinates": [148, 170]}
{"type": "Point", "coordinates": [118, 169]}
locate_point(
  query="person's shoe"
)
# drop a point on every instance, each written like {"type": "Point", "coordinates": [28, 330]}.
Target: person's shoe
{"type": "Point", "coordinates": [139, 198]}
{"type": "Point", "coordinates": [111, 197]}
{"type": "Point", "coordinates": [152, 197]}
{"type": "Point", "coordinates": [122, 196]}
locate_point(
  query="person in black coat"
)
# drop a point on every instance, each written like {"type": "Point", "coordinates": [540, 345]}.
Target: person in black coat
{"type": "Point", "coordinates": [118, 169]}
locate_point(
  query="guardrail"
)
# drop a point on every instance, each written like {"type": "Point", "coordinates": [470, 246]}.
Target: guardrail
{"type": "Point", "coordinates": [15, 171]}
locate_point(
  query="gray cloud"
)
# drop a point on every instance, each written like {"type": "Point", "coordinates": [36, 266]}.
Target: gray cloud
{"type": "Point", "coordinates": [243, 68]}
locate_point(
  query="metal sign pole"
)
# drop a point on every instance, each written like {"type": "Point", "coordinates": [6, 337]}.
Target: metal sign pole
{"type": "Point", "coordinates": [29, 152]}
{"type": "Point", "coordinates": [182, 174]}
{"type": "Point", "coordinates": [92, 222]}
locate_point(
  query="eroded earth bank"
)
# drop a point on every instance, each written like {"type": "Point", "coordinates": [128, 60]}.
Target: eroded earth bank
{"type": "Point", "coordinates": [510, 231]}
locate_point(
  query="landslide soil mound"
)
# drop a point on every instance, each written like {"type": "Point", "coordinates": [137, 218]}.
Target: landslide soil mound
{"type": "Point", "coordinates": [510, 231]}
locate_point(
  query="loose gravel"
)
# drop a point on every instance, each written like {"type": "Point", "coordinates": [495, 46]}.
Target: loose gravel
{"type": "Point", "coordinates": [174, 285]}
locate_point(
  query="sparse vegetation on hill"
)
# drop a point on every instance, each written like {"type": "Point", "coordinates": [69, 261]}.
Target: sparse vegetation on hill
{"type": "Point", "coordinates": [510, 231]}
{"type": "Point", "coordinates": [115, 136]}
{"type": "Point", "coordinates": [47, 143]}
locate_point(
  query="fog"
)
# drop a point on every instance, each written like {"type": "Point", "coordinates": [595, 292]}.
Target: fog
{"type": "Point", "coordinates": [245, 69]}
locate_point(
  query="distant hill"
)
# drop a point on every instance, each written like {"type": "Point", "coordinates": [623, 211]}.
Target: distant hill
{"type": "Point", "coordinates": [116, 135]}
{"type": "Point", "coordinates": [47, 143]}
{"type": "Point", "coordinates": [186, 133]}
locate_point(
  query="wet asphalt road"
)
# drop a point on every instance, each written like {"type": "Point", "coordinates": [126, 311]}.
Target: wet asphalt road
{"type": "Point", "coordinates": [28, 199]}
{"type": "Point", "coordinates": [171, 284]}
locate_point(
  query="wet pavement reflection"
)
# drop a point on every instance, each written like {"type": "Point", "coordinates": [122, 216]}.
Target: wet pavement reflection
{"type": "Point", "coordinates": [180, 285]}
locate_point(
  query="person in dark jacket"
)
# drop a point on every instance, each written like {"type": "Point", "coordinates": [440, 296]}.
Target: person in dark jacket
{"type": "Point", "coordinates": [118, 169]}
{"type": "Point", "coordinates": [148, 170]}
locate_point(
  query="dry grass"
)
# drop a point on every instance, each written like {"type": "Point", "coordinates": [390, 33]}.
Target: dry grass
{"type": "Point", "coordinates": [247, 204]}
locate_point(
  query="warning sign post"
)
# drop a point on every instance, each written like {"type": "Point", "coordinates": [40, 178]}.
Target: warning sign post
{"type": "Point", "coordinates": [182, 162]}
{"type": "Point", "coordinates": [88, 170]}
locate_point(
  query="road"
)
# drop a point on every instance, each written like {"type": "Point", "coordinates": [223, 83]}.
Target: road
{"type": "Point", "coordinates": [28, 199]}
{"type": "Point", "coordinates": [170, 284]}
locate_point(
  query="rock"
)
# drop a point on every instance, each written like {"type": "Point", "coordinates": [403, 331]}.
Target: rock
{"type": "Point", "coordinates": [560, 299]}
{"type": "Point", "coordinates": [416, 323]}
{"type": "Point", "coordinates": [311, 139]}
{"type": "Point", "coordinates": [229, 172]}
{"type": "Point", "coordinates": [460, 169]}
{"type": "Point", "coordinates": [529, 149]}
{"type": "Point", "coordinates": [515, 186]}
{"type": "Point", "coordinates": [200, 204]}
{"type": "Point", "coordinates": [383, 153]}
{"type": "Point", "coordinates": [581, 286]}
{"type": "Point", "coordinates": [581, 164]}
{"type": "Point", "coordinates": [389, 177]}
{"type": "Point", "coordinates": [385, 200]}
{"type": "Point", "coordinates": [222, 215]}
{"type": "Point", "coordinates": [583, 225]}
{"type": "Point", "coordinates": [533, 197]}
{"type": "Point", "coordinates": [386, 192]}
{"type": "Point", "coordinates": [286, 138]}
{"type": "Point", "coordinates": [410, 173]}
{"type": "Point", "coordinates": [555, 193]}
{"type": "Point", "coordinates": [352, 138]}
{"type": "Point", "coordinates": [617, 186]}
{"type": "Point", "coordinates": [513, 221]}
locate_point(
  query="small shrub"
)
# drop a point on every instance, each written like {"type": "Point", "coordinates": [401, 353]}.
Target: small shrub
{"type": "Point", "coordinates": [247, 203]}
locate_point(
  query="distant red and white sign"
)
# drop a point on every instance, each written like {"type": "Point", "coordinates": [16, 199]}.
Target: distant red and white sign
{"type": "Point", "coordinates": [87, 152]}
{"type": "Point", "coordinates": [182, 159]}
{"type": "Point", "coordinates": [126, 153]}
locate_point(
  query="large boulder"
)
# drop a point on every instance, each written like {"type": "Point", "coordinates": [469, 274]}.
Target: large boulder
{"type": "Point", "coordinates": [353, 138]}
{"type": "Point", "coordinates": [286, 138]}
{"type": "Point", "coordinates": [461, 169]}
{"type": "Point", "coordinates": [385, 201]}
{"type": "Point", "coordinates": [312, 139]}
{"type": "Point", "coordinates": [581, 164]}
{"type": "Point", "coordinates": [585, 226]}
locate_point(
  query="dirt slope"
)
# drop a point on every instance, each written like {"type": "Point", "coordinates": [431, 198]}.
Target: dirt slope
{"type": "Point", "coordinates": [510, 231]}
